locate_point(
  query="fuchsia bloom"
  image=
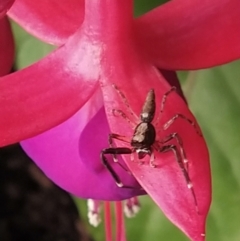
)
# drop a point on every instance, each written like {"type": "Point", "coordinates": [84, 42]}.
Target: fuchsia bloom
{"type": "Point", "coordinates": [60, 98]}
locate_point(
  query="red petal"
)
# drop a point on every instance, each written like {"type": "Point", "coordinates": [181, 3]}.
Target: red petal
{"type": "Point", "coordinates": [6, 47]}
{"type": "Point", "coordinates": [45, 94]}
{"type": "Point", "coordinates": [51, 21]}
{"type": "Point", "coordinates": [173, 80]}
{"type": "Point", "coordinates": [191, 34]}
{"type": "Point", "coordinates": [127, 67]}
{"type": "Point", "coordinates": [166, 183]}
{"type": "Point", "coordinates": [4, 6]}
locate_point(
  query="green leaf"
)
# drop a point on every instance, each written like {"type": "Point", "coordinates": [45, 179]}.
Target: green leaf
{"type": "Point", "coordinates": [143, 6]}
{"type": "Point", "coordinates": [28, 48]}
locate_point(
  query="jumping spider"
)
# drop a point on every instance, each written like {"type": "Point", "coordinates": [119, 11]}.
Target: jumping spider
{"type": "Point", "coordinates": [143, 142]}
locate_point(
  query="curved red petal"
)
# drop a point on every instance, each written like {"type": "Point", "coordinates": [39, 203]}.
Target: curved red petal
{"type": "Point", "coordinates": [191, 34]}
{"type": "Point", "coordinates": [126, 67]}
{"type": "Point", "coordinates": [45, 94]}
{"type": "Point", "coordinates": [166, 183]}
{"type": "Point", "coordinates": [4, 6]}
{"type": "Point", "coordinates": [6, 47]}
{"type": "Point", "coordinates": [51, 21]}
{"type": "Point", "coordinates": [172, 79]}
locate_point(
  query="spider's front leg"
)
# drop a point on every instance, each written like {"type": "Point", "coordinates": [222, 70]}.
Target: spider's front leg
{"type": "Point", "coordinates": [174, 149]}
{"type": "Point", "coordinates": [114, 151]}
{"type": "Point", "coordinates": [181, 116]}
{"type": "Point", "coordinates": [111, 144]}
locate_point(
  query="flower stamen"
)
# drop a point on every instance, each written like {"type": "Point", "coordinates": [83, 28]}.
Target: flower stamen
{"type": "Point", "coordinates": [131, 207]}
{"type": "Point", "coordinates": [108, 221]}
{"type": "Point", "coordinates": [94, 212]}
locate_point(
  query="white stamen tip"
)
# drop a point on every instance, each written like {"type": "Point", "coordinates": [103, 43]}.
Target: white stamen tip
{"type": "Point", "coordinates": [136, 209]}
{"type": "Point", "coordinates": [93, 212]}
{"type": "Point", "coordinates": [185, 161]}
{"type": "Point", "coordinates": [190, 185]}
{"type": "Point", "coordinates": [90, 204]}
{"type": "Point", "coordinates": [203, 234]}
{"type": "Point", "coordinates": [94, 219]}
{"type": "Point", "coordinates": [130, 212]}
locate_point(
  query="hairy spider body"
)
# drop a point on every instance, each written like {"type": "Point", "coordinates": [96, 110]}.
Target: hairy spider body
{"type": "Point", "coordinates": [145, 134]}
{"type": "Point", "coordinates": [143, 138]}
{"type": "Point", "coordinates": [143, 142]}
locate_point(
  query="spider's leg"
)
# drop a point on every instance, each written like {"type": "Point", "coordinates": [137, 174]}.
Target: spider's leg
{"type": "Point", "coordinates": [114, 151]}
{"type": "Point", "coordinates": [125, 101]}
{"type": "Point", "coordinates": [152, 159]}
{"type": "Point", "coordinates": [176, 136]}
{"type": "Point", "coordinates": [164, 98]}
{"type": "Point", "coordinates": [124, 116]}
{"type": "Point", "coordinates": [175, 117]}
{"type": "Point", "coordinates": [111, 144]}
{"type": "Point", "coordinates": [173, 148]}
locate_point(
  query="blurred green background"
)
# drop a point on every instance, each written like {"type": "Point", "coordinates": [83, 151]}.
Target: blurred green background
{"type": "Point", "coordinates": [214, 97]}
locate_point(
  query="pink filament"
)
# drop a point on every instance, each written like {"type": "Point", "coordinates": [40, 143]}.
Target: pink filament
{"type": "Point", "coordinates": [120, 227]}
{"type": "Point", "coordinates": [108, 221]}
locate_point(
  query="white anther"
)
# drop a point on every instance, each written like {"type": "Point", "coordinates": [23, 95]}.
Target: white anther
{"type": "Point", "coordinates": [203, 234]}
{"type": "Point", "coordinates": [190, 185]}
{"type": "Point", "coordinates": [131, 207]}
{"type": "Point", "coordinates": [93, 212]}
{"type": "Point", "coordinates": [90, 204]}
{"type": "Point", "coordinates": [135, 208]}
{"type": "Point", "coordinates": [94, 219]}
{"type": "Point", "coordinates": [130, 212]}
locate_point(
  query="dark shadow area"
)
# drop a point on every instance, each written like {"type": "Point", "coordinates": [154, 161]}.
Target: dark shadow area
{"type": "Point", "coordinates": [32, 208]}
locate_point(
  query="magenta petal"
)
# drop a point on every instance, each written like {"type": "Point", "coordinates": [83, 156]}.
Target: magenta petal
{"type": "Point", "coordinates": [191, 34]}
{"type": "Point", "coordinates": [6, 47]}
{"type": "Point", "coordinates": [56, 152]}
{"type": "Point", "coordinates": [4, 6]}
{"type": "Point", "coordinates": [47, 92]}
{"type": "Point", "coordinates": [93, 140]}
{"type": "Point", "coordinates": [51, 21]}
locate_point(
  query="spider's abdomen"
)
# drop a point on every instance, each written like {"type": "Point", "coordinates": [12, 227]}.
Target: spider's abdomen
{"type": "Point", "coordinates": [144, 136]}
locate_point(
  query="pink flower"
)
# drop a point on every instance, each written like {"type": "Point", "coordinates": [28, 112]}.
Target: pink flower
{"type": "Point", "coordinates": [102, 45]}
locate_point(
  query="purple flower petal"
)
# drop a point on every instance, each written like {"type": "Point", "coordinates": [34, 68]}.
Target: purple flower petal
{"type": "Point", "coordinates": [57, 153]}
